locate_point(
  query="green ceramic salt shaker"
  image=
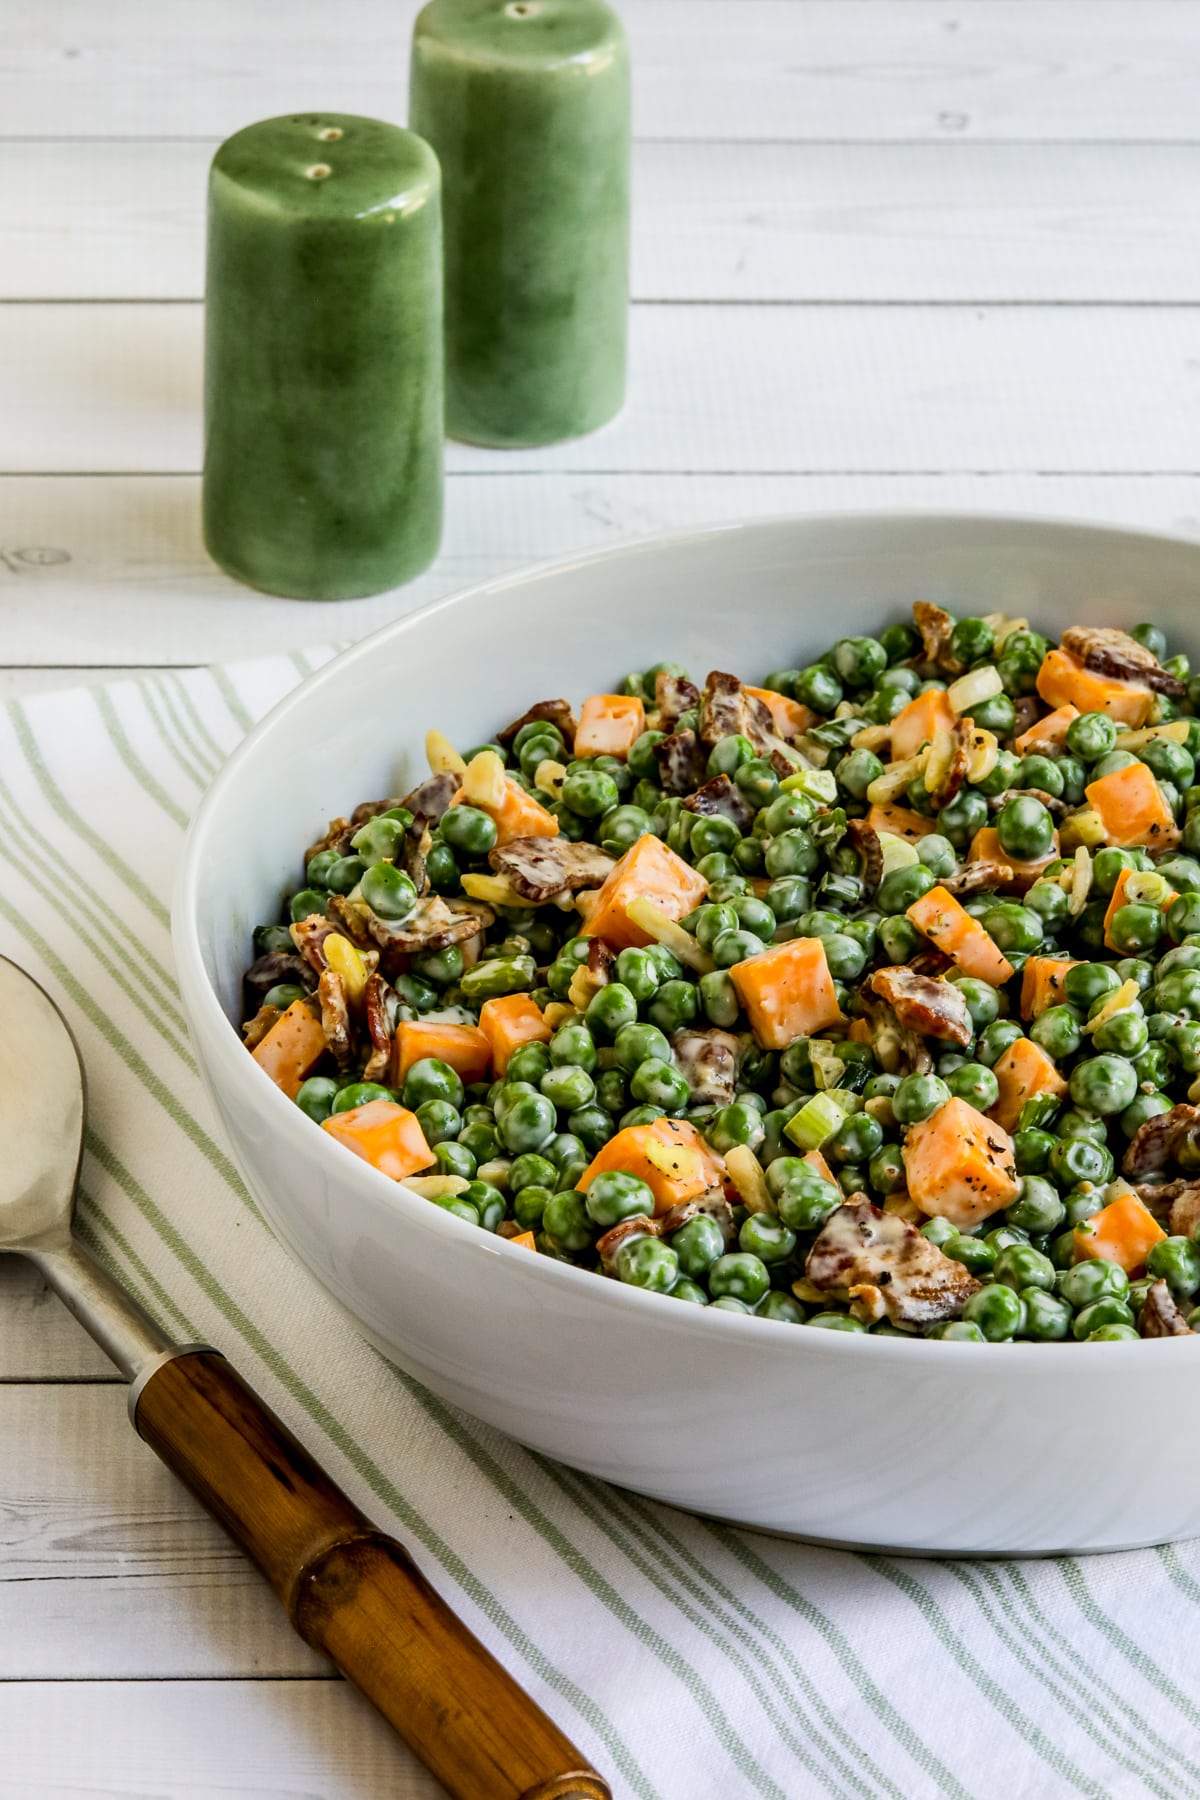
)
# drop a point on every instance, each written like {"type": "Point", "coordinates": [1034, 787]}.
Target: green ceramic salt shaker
{"type": "Point", "coordinates": [323, 377]}
{"type": "Point", "coordinates": [526, 103]}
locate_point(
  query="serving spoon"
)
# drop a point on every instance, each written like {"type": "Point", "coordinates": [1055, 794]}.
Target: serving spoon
{"type": "Point", "coordinates": [348, 1588]}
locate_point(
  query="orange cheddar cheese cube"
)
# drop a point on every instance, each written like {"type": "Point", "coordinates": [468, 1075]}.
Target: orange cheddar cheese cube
{"type": "Point", "coordinates": [1023, 1071]}
{"type": "Point", "coordinates": [648, 869]}
{"type": "Point", "coordinates": [916, 723]}
{"type": "Point", "coordinates": [1063, 681]}
{"type": "Point", "coordinates": [1049, 733]}
{"type": "Point", "coordinates": [817, 1163]}
{"type": "Point", "coordinates": [960, 1164]}
{"type": "Point", "coordinates": [951, 929]}
{"type": "Point", "coordinates": [1131, 808]}
{"type": "Point", "coordinates": [669, 1155]}
{"type": "Point", "coordinates": [292, 1048]}
{"type": "Point", "coordinates": [387, 1136]}
{"type": "Point", "coordinates": [464, 1047]}
{"type": "Point", "coordinates": [787, 991]}
{"type": "Point", "coordinates": [1123, 1232]}
{"type": "Point", "coordinates": [524, 1240]}
{"type": "Point", "coordinates": [507, 1022]}
{"type": "Point", "coordinates": [1042, 983]}
{"type": "Point", "coordinates": [789, 718]}
{"type": "Point", "coordinates": [518, 814]}
{"type": "Point", "coordinates": [901, 821]}
{"type": "Point", "coordinates": [986, 847]}
{"type": "Point", "coordinates": [609, 725]}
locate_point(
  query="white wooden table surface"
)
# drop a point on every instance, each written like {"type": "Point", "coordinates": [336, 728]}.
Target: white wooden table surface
{"type": "Point", "coordinates": [887, 253]}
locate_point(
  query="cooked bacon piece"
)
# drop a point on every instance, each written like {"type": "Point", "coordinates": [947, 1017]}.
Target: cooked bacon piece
{"type": "Point", "coordinates": [713, 1204]}
{"type": "Point", "coordinates": [430, 798]}
{"type": "Point", "coordinates": [1051, 802]}
{"type": "Point", "coordinates": [973, 877]}
{"type": "Point", "coordinates": [641, 1225]}
{"type": "Point", "coordinates": [681, 762]}
{"type": "Point", "coordinates": [1160, 1316]}
{"type": "Point", "coordinates": [1108, 652]}
{"type": "Point", "coordinates": [309, 936]}
{"type": "Point", "coordinates": [335, 1017]}
{"type": "Point", "coordinates": [554, 712]}
{"type": "Point", "coordinates": [955, 773]}
{"type": "Point", "coordinates": [935, 626]}
{"type": "Point", "coordinates": [1184, 1197]}
{"type": "Point", "coordinates": [708, 1062]}
{"type": "Point", "coordinates": [887, 1268]}
{"type": "Point", "coordinates": [726, 708]}
{"type": "Point", "coordinates": [722, 798]}
{"type": "Point", "coordinates": [411, 853]}
{"type": "Point", "coordinates": [351, 918]}
{"type": "Point", "coordinates": [431, 925]}
{"type": "Point", "coordinates": [376, 1012]}
{"type": "Point", "coordinates": [865, 839]}
{"type": "Point", "coordinates": [674, 695]}
{"type": "Point", "coordinates": [272, 968]}
{"type": "Point", "coordinates": [898, 1050]}
{"type": "Point", "coordinates": [256, 1029]}
{"type": "Point", "coordinates": [541, 866]}
{"type": "Point", "coordinates": [1155, 1145]}
{"type": "Point", "coordinates": [932, 1008]}
{"type": "Point", "coordinates": [334, 837]}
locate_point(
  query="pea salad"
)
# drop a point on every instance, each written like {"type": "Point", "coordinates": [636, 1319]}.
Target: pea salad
{"type": "Point", "coordinates": [866, 999]}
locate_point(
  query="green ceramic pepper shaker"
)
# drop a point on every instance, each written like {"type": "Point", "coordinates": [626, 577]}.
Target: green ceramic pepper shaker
{"type": "Point", "coordinates": [323, 379]}
{"type": "Point", "coordinates": [526, 103]}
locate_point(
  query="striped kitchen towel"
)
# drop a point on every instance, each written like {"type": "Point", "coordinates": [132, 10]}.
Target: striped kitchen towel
{"type": "Point", "coordinates": [691, 1661]}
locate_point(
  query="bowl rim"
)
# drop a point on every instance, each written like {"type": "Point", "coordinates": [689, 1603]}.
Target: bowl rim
{"type": "Point", "coordinates": [391, 1201]}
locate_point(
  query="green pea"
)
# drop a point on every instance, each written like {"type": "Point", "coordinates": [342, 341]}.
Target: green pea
{"type": "Point", "coordinates": [454, 1158]}
{"type": "Point", "coordinates": [1095, 1279]}
{"type": "Point", "coordinates": [616, 1195]}
{"type": "Point", "coordinates": [1040, 772]}
{"type": "Point", "coordinates": [1025, 829]}
{"type": "Point", "coordinates": [997, 715]}
{"type": "Point", "coordinates": [609, 1008]}
{"type": "Point", "coordinates": [468, 829]}
{"type": "Point", "coordinates": [754, 915]}
{"type": "Point", "coordinates": [902, 887]}
{"type": "Point", "coordinates": [1109, 864]}
{"type": "Point", "coordinates": [857, 1140]}
{"type": "Point", "coordinates": [998, 1312]}
{"type": "Point", "coordinates": [792, 853]}
{"type": "Point", "coordinates": [1049, 903]}
{"type": "Point", "coordinates": [845, 957]}
{"type": "Point", "coordinates": [573, 1044]}
{"type": "Point", "coordinates": [1168, 761]}
{"type": "Point", "coordinates": [976, 1256]}
{"type": "Point", "coordinates": [440, 1121]}
{"type": "Point", "coordinates": [637, 974]}
{"type": "Point", "coordinates": [1058, 1031]}
{"type": "Point", "coordinates": [1087, 982]}
{"type": "Point", "coordinates": [620, 829]}
{"type": "Point", "coordinates": [1135, 927]}
{"type": "Point", "coordinates": [1037, 1208]}
{"type": "Point", "coordinates": [1108, 765]}
{"type": "Point", "coordinates": [528, 1124]}
{"type": "Point", "coordinates": [498, 975]}
{"type": "Point", "coordinates": [697, 1245]}
{"type": "Point", "coordinates": [804, 1199]}
{"type": "Point", "coordinates": [757, 782]}
{"type": "Point", "coordinates": [1004, 770]}
{"type": "Point", "coordinates": [936, 853]}
{"type": "Point", "coordinates": [975, 1084]}
{"type": "Point", "coordinates": [859, 660]}
{"type": "Point", "coordinates": [588, 792]}
{"type": "Point", "coordinates": [566, 1222]}
{"type": "Point", "coordinates": [728, 754]}
{"type": "Point", "coordinates": [740, 1275]}
{"type": "Point", "coordinates": [885, 1170]}
{"type": "Point", "coordinates": [712, 834]}
{"type": "Point", "coordinates": [1013, 927]}
{"type": "Point", "coordinates": [737, 1123]}
{"type": "Point", "coordinates": [284, 994]}
{"type": "Point", "coordinates": [781, 1307]}
{"type": "Point", "coordinates": [972, 640]}
{"type": "Point", "coordinates": [388, 891]}
{"type": "Point", "coordinates": [1091, 736]}
{"type": "Point", "coordinates": [1126, 1033]}
{"type": "Point", "coordinates": [669, 968]}
{"type": "Point", "coordinates": [1083, 1124]}
{"type": "Point", "coordinates": [688, 1290]}
{"type": "Point", "coordinates": [1106, 1084]}
{"type": "Point", "coordinates": [957, 1330]}
{"type": "Point", "coordinates": [568, 1087]}
{"type": "Point", "coordinates": [1176, 1260]}
{"type": "Point", "coordinates": [636, 1044]}
{"type": "Point", "coordinates": [675, 1005]}
{"type": "Point", "coordinates": [819, 688]}
{"type": "Point", "coordinates": [318, 1096]}
{"type": "Point", "coordinates": [272, 937]}
{"type": "Point", "coordinates": [856, 771]}
{"type": "Point", "coordinates": [432, 1079]}
{"type": "Point", "coordinates": [835, 1321]}
{"type": "Point", "coordinates": [656, 1082]}
{"type": "Point", "coordinates": [767, 1238]}
{"type": "Point", "coordinates": [1020, 1266]}
{"type": "Point", "coordinates": [983, 1002]}
{"type": "Point", "coordinates": [1031, 1150]}
{"type": "Point", "coordinates": [1103, 1312]}
{"type": "Point", "coordinates": [995, 1039]}
{"type": "Point", "coordinates": [648, 1262]}
{"type": "Point", "coordinates": [790, 812]}
{"type": "Point", "coordinates": [307, 902]}
{"type": "Point", "coordinates": [1047, 1318]}
{"type": "Point", "coordinates": [593, 1125]}
{"type": "Point", "coordinates": [966, 814]}
{"type": "Point", "coordinates": [719, 998]}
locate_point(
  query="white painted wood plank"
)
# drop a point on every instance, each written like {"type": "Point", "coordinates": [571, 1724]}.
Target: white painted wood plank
{"type": "Point", "coordinates": [776, 389]}
{"type": "Point", "coordinates": [39, 1340]}
{"type": "Point", "coordinates": [811, 69]}
{"type": "Point", "coordinates": [262, 1740]}
{"type": "Point", "coordinates": [137, 577]}
{"type": "Point", "coordinates": [1010, 222]}
{"type": "Point", "coordinates": [108, 1567]}
{"type": "Point", "coordinates": [15, 682]}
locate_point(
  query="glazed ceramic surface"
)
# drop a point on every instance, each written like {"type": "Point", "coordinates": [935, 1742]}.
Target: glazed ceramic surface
{"type": "Point", "coordinates": [527, 104]}
{"type": "Point", "coordinates": [940, 1446]}
{"type": "Point", "coordinates": [323, 357]}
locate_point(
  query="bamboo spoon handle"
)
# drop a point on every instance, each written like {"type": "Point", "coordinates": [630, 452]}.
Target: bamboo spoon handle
{"type": "Point", "coordinates": [352, 1592]}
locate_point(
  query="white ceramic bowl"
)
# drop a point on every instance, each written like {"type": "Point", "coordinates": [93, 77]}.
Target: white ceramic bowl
{"type": "Point", "coordinates": [945, 1447]}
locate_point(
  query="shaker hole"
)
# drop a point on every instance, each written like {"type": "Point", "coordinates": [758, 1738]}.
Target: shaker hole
{"type": "Point", "coordinates": [318, 172]}
{"type": "Point", "coordinates": [331, 134]}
